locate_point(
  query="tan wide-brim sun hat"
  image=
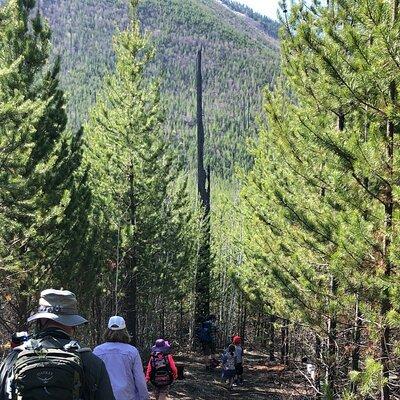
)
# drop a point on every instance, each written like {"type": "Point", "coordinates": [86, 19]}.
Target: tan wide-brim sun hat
{"type": "Point", "coordinates": [59, 306]}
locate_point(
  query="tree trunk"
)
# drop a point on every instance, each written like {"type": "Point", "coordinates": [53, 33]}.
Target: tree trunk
{"type": "Point", "coordinates": [332, 322]}
{"type": "Point", "coordinates": [97, 313]}
{"type": "Point", "coordinates": [272, 320]}
{"type": "Point", "coordinates": [285, 342]}
{"type": "Point", "coordinates": [386, 303]}
{"type": "Point", "coordinates": [331, 345]}
{"type": "Point", "coordinates": [243, 320]}
{"type": "Point", "coordinates": [23, 306]}
{"type": "Point", "coordinates": [181, 321]}
{"type": "Point", "coordinates": [131, 302]}
{"type": "Point", "coordinates": [318, 366]}
{"type": "Point", "coordinates": [132, 264]}
{"type": "Point", "coordinates": [355, 355]}
{"type": "Point", "coordinates": [202, 304]}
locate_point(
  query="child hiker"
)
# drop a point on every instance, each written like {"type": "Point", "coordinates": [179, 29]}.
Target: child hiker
{"type": "Point", "coordinates": [237, 341]}
{"type": "Point", "coordinates": [161, 370]}
{"type": "Point", "coordinates": [228, 365]}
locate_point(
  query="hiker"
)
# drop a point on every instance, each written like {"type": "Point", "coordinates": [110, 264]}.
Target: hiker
{"type": "Point", "coordinates": [207, 335]}
{"type": "Point", "coordinates": [59, 367]}
{"type": "Point", "coordinates": [310, 368]}
{"type": "Point", "coordinates": [123, 362]}
{"type": "Point", "coordinates": [17, 339]}
{"type": "Point", "coordinates": [228, 365]}
{"type": "Point", "coordinates": [237, 342]}
{"type": "Point", "coordinates": [161, 369]}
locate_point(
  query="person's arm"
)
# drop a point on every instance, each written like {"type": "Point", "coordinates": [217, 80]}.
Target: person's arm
{"type": "Point", "coordinates": [173, 367]}
{"type": "Point", "coordinates": [148, 371]}
{"type": "Point", "coordinates": [140, 381]}
{"type": "Point", "coordinates": [5, 369]}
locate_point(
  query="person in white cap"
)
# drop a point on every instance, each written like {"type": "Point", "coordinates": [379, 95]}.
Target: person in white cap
{"type": "Point", "coordinates": [51, 365]}
{"type": "Point", "coordinates": [123, 362]}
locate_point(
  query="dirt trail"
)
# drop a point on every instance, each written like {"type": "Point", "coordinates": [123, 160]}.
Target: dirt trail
{"type": "Point", "coordinates": [259, 384]}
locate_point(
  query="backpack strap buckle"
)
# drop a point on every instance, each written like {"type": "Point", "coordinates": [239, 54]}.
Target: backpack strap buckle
{"type": "Point", "coordinates": [32, 344]}
{"type": "Point", "coordinates": [73, 345]}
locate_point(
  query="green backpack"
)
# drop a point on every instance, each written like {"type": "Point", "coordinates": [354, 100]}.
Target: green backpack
{"type": "Point", "coordinates": [46, 372]}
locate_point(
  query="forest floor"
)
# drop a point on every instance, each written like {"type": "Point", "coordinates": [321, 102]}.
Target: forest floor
{"type": "Point", "coordinates": [259, 383]}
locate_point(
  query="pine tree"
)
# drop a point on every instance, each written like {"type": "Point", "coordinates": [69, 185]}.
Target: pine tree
{"type": "Point", "coordinates": [321, 199]}
{"type": "Point", "coordinates": [134, 179]}
{"type": "Point", "coordinates": [39, 161]}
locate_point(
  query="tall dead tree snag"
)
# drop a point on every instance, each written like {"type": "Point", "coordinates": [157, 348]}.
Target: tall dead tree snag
{"type": "Point", "coordinates": [202, 300]}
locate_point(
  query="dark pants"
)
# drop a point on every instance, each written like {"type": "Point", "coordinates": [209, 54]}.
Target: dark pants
{"type": "Point", "coordinates": [208, 348]}
{"type": "Point", "coordinates": [239, 369]}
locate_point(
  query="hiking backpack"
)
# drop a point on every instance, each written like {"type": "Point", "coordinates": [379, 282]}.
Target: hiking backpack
{"type": "Point", "coordinates": [230, 361]}
{"type": "Point", "coordinates": [161, 374]}
{"type": "Point", "coordinates": [205, 332]}
{"type": "Point", "coordinates": [48, 373]}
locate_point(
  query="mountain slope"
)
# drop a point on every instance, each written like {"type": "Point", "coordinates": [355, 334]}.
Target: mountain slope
{"type": "Point", "coordinates": [239, 59]}
{"type": "Point", "coordinates": [269, 26]}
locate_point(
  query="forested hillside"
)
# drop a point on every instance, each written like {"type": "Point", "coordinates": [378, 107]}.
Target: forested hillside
{"type": "Point", "coordinates": [122, 204]}
{"type": "Point", "coordinates": [239, 59]}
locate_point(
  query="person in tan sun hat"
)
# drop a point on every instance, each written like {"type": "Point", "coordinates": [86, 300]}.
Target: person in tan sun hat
{"type": "Point", "coordinates": [59, 306]}
{"type": "Point", "coordinates": [51, 365]}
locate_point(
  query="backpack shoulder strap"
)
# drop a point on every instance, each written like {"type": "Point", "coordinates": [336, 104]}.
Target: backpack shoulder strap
{"type": "Point", "coordinates": [89, 381]}
{"type": "Point", "coordinates": [152, 360]}
{"type": "Point", "coordinates": [167, 364]}
{"type": "Point", "coordinates": [84, 350]}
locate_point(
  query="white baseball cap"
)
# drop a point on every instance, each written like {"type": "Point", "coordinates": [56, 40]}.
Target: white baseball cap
{"type": "Point", "coordinates": [116, 323]}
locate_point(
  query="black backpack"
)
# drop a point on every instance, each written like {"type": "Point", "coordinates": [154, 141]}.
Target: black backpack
{"type": "Point", "coordinates": [48, 370]}
{"type": "Point", "coordinates": [205, 332]}
{"type": "Point", "coordinates": [161, 374]}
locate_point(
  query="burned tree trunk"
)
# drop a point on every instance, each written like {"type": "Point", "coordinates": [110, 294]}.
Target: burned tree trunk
{"type": "Point", "coordinates": [202, 301]}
